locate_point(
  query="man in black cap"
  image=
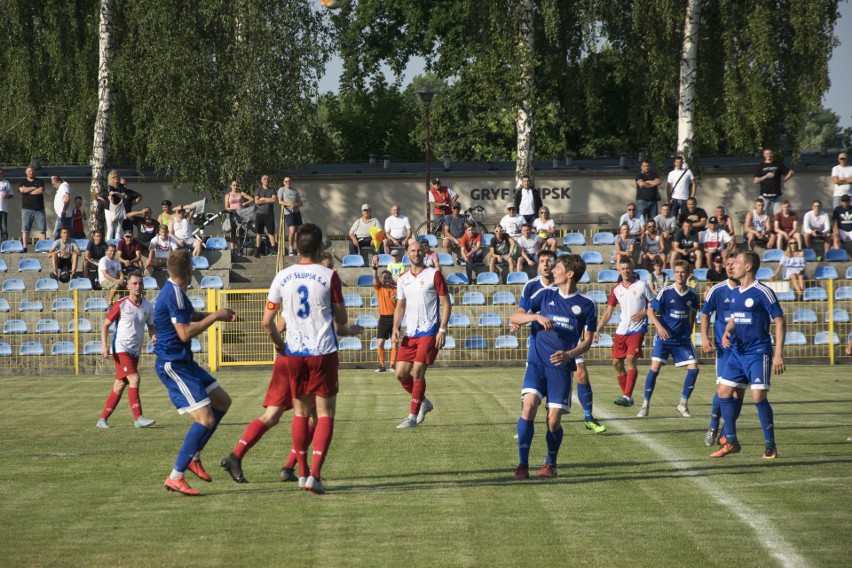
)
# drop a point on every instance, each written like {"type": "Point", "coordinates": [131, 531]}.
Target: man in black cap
{"type": "Point", "coordinates": [453, 230]}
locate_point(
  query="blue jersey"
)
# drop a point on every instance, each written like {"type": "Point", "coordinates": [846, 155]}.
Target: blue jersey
{"type": "Point", "coordinates": [172, 307]}
{"type": "Point", "coordinates": [718, 302]}
{"type": "Point", "coordinates": [572, 316]}
{"type": "Point", "coordinates": [674, 309]}
{"type": "Point", "coordinates": [531, 288]}
{"type": "Point", "coordinates": [753, 310]}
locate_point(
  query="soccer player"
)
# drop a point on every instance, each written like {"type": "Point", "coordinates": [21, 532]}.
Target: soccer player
{"type": "Point", "coordinates": [633, 295]}
{"type": "Point", "coordinates": [419, 292]}
{"type": "Point", "coordinates": [717, 302]}
{"type": "Point", "coordinates": [753, 359]}
{"type": "Point", "coordinates": [191, 389]}
{"type": "Point", "coordinates": [581, 374]}
{"type": "Point", "coordinates": [676, 305]}
{"type": "Point", "coordinates": [563, 321]}
{"type": "Point", "coordinates": [131, 316]}
{"type": "Point", "coordinates": [386, 295]}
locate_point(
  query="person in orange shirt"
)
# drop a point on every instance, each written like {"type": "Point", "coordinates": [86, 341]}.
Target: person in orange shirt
{"type": "Point", "coordinates": [386, 293]}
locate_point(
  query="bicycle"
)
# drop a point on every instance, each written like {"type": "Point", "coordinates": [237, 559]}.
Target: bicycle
{"type": "Point", "coordinates": [433, 226]}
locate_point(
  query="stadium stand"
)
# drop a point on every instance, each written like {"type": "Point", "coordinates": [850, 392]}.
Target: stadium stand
{"type": "Point", "coordinates": [457, 278]}
{"type": "Point", "coordinates": [83, 326]}
{"type": "Point", "coordinates": [29, 265]}
{"type": "Point", "coordinates": [475, 342]}
{"type": "Point", "coordinates": [14, 285]}
{"type": "Point", "coordinates": [352, 300]}
{"type": "Point", "coordinates": [603, 238]}
{"type": "Point", "coordinates": [31, 348]}
{"type": "Point", "coordinates": [795, 338]}
{"type": "Point", "coordinates": [150, 283]}
{"type": "Point", "coordinates": [367, 321]}
{"type": "Point", "coordinates": [365, 280]}
{"type": "Point", "coordinates": [31, 306]}
{"type": "Point", "coordinates": [3, 266]}
{"type": "Point", "coordinates": [473, 299]}
{"type": "Point", "coordinates": [506, 342]}
{"type": "Point", "coordinates": [826, 338]}
{"type": "Point", "coordinates": [5, 349]}
{"type": "Point", "coordinates": [503, 298]}
{"type": "Point", "coordinates": [487, 278]}
{"type": "Point", "coordinates": [826, 273]}
{"type": "Point", "coordinates": [574, 239]}
{"type": "Point", "coordinates": [772, 255]}
{"type": "Point", "coordinates": [46, 285]}
{"type": "Point", "coordinates": [517, 278]}
{"type": "Point", "coordinates": [213, 281]}
{"type": "Point", "coordinates": [80, 284]}
{"type": "Point", "coordinates": [200, 263]}
{"type": "Point", "coordinates": [352, 261]}
{"type": "Point", "coordinates": [592, 257]}
{"type": "Point", "coordinates": [608, 276]}
{"type": "Point", "coordinates": [48, 325]}
{"type": "Point", "coordinates": [63, 348]}
{"type": "Point", "coordinates": [216, 243]}
{"type": "Point", "coordinates": [700, 274]}
{"type": "Point", "coordinates": [43, 246]}
{"type": "Point", "coordinates": [804, 315]}
{"type": "Point", "coordinates": [490, 319]}
{"type": "Point", "coordinates": [836, 255]}
{"type": "Point", "coordinates": [459, 320]}
{"type": "Point", "coordinates": [11, 247]}
{"type": "Point", "coordinates": [350, 344]}
{"type": "Point", "coordinates": [815, 294]}
{"type": "Point", "coordinates": [96, 304]}
{"type": "Point", "coordinates": [62, 304]}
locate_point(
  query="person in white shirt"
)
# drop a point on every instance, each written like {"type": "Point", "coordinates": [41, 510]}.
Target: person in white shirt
{"type": "Point", "coordinates": [816, 225]}
{"type": "Point", "coordinates": [841, 177]}
{"type": "Point", "coordinates": [5, 194]}
{"type": "Point", "coordinates": [635, 225]}
{"type": "Point", "coordinates": [397, 230]}
{"type": "Point", "coordinates": [110, 275]}
{"type": "Point", "coordinates": [61, 205]}
{"type": "Point", "coordinates": [681, 186]}
{"type": "Point", "coordinates": [527, 200]}
{"type": "Point", "coordinates": [714, 240]}
{"type": "Point", "coordinates": [181, 231]}
{"type": "Point", "coordinates": [529, 245]}
{"type": "Point", "coordinates": [511, 221]}
{"type": "Point", "coordinates": [161, 247]}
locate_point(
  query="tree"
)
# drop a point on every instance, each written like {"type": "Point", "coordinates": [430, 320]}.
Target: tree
{"type": "Point", "coordinates": [822, 129]}
{"type": "Point", "coordinates": [688, 70]}
{"type": "Point", "coordinates": [102, 120]}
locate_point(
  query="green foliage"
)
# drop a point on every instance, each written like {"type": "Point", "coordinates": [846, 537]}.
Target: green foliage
{"type": "Point", "coordinates": [822, 128]}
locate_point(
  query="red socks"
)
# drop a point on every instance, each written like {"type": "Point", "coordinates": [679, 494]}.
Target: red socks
{"type": "Point", "coordinates": [417, 395]}
{"type": "Point", "coordinates": [301, 438]}
{"type": "Point", "coordinates": [254, 432]}
{"type": "Point", "coordinates": [111, 402]}
{"type": "Point", "coordinates": [631, 382]}
{"type": "Point", "coordinates": [291, 458]}
{"type": "Point", "coordinates": [321, 442]}
{"type": "Point", "coordinates": [622, 383]}
{"type": "Point", "coordinates": [407, 383]}
{"type": "Point", "coordinates": [135, 403]}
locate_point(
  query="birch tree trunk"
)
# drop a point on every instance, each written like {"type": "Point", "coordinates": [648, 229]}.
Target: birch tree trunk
{"type": "Point", "coordinates": [524, 116]}
{"type": "Point", "coordinates": [100, 145]}
{"type": "Point", "coordinates": [688, 77]}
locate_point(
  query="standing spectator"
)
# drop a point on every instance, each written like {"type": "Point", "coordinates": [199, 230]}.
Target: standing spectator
{"type": "Point", "coordinates": [758, 227]}
{"type": "Point", "coordinates": [112, 199]}
{"type": "Point", "coordinates": [527, 200]}
{"type": "Point", "coordinates": [841, 177]}
{"type": "Point", "coordinates": [110, 276]}
{"type": "Point", "coordinates": [771, 176]}
{"type": "Point", "coordinates": [694, 213]}
{"type": "Point", "coordinates": [716, 272]}
{"type": "Point", "coordinates": [264, 218]}
{"type": "Point", "coordinates": [501, 247]}
{"type": "Point", "coordinates": [714, 240]}
{"type": "Point", "coordinates": [841, 220]}
{"type": "Point", "coordinates": [359, 233]}
{"type": "Point", "coordinates": [647, 191]}
{"type": "Point", "coordinates": [78, 230]}
{"type": "Point", "coordinates": [147, 226]}
{"type": "Point", "coordinates": [165, 217]}
{"type": "Point", "coordinates": [724, 221]}
{"type": "Point", "coordinates": [471, 249]}
{"type": "Point", "coordinates": [5, 195]}
{"type": "Point", "coordinates": [397, 230]}
{"type": "Point", "coordinates": [93, 254]}
{"type": "Point", "coordinates": [545, 227]}
{"type": "Point", "coordinates": [681, 186]}
{"type": "Point", "coordinates": [529, 245]}
{"type": "Point", "coordinates": [652, 245]}
{"type": "Point", "coordinates": [666, 225]}
{"type": "Point", "coordinates": [61, 205]}
{"type": "Point", "coordinates": [181, 231]}
{"type": "Point", "coordinates": [289, 198]}
{"type": "Point", "coordinates": [816, 226]}
{"type": "Point", "coordinates": [685, 245]}
{"type": "Point", "coordinates": [32, 206]}
{"type": "Point", "coordinates": [160, 249]}
{"type": "Point", "coordinates": [65, 254]}
{"type": "Point", "coordinates": [625, 245]}
{"type": "Point", "coordinates": [130, 251]}
{"type": "Point", "coordinates": [130, 198]}
{"type": "Point", "coordinates": [657, 279]}
{"type": "Point", "coordinates": [793, 264]}
{"type": "Point", "coordinates": [511, 221]}
{"type": "Point", "coordinates": [454, 230]}
{"type": "Point", "coordinates": [236, 200]}
{"type": "Point", "coordinates": [443, 198]}
{"type": "Point", "coordinates": [635, 224]}
{"type": "Point", "coordinates": [386, 295]}
{"type": "Point", "coordinates": [787, 225]}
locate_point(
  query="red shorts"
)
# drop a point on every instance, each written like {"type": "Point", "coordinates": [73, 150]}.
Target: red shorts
{"type": "Point", "coordinates": [624, 345]}
{"type": "Point", "coordinates": [278, 391]}
{"type": "Point", "coordinates": [125, 365]}
{"type": "Point", "coordinates": [315, 375]}
{"type": "Point", "coordinates": [417, 350]}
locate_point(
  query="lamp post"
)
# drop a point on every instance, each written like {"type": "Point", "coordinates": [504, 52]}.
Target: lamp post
{"type": "Point", "coordinates": [426, 99]}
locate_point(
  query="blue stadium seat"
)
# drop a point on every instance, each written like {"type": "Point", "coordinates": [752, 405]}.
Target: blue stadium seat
{"type": "Point", "coordinates": [96, 304]}
{"type": "Point", "coordinates": [385, 259]}
{"type": "Point", "coordinates": [815, 294]}
{"type": "Point", "coordinates": [83, 324]}
{"type": "Point", "coordinates": [353, 301]}
{"type": "Point", "coordinates": [506, 342]}
{"type": "Point", "coordinates": [604, 340]}
{"type": "Point", "coordinates": [697, 340]}
{"type": "Point", "coordinates": [764, 273]}
{"type": "Point", "coordinates": [112, 242]}
{"type": "Point", "coordinates": [429, 238]}
{"type": "Point", "coordinates": [475, 342]}
{"type": "Point", "coordinates": [349, 344]}
{"type": "Point", "coordinates": [31, 306]}
{"type": "Point", "coordinates": [810, 255]}
{"type": "Point", "coordinates": [786, 296]}
{"type": "Point", "coordinates": [843, 293]}
{"type": "Point", "coordinates": [486, 239]}
{"type": "Point", "coordinates": [92, 348]}
{"type": "Point", "coordinates": [795, 338]}
{"type": "Point", "coordinates": [46, 285]}
{"type": "Point", "coordinates": [200, 263]}
{"type": "Point", "coordinates": [445, 259]}
{"type": "Point", "coordinates": [44, 245]}
{"type": "Point", "coordinates": [34, 348]}
{"type": "Point", "coordinates": [11, 246]}
{"type": "Point", "coordinates": [642, 274]}
{"type": "Point", "coordinates": [839, 315]}
{"type": "Point", "coordinates": [15, 326]}
{"type": "Point", "coordinates": [603, 238]}
{"type": "Point", "coordinates": [517, 278]}
{"type": "Point", "coordinates": [62, 348]}
{"type": "Point", "coordinates": [459, 320]}
{"type": "Point", "coordinates": [824, 338]}
{"type": "Point", "coordinates": [352, 261]}
{"type": "Point", "coordinates": [826, 273]}
{"type": "Point", "coordinates": [150, 283]}
{"type": "Point", "coordinates": [14, 285]}
{"type": "Point", "coordinates": [574, 239]}
{"type": "Point", "coordinates": [374, 344]}
{"type": "Point", "coordinates": [80, 284]}
{"type": "Point", "coordinates": [592, 257]}
{"type": "Point", "coordinates": [49, 325]}
{"type": "Point", "coordinates": [3, 266]}
{"type": "Point", "coordinates": [216, 243]}
{"type": "Point", "coordinates": [452, 300]}
{"type": "Point", "coordinates": [149, 348]}
{"type": "Point", "coordinates": [198, 303]}
{"type": "Point", "coordinates": [585, 279]}
{"type": "Point", "coordinates": [4, 305]}
{"type": "Point", "coordinates": [836, 255]}
{"type": "Point", "coordinates": [615, 318]}
{"type": "Point", "coordinates": [367, 321]}
{"type": "Point", "coordinates": [195, 345]}
{"type": "Point", "coordinates": [449, 343]}
{"type": "Point", "coordinates": [804, 315]}
{"type": "Point", "coordinates": [503, 298]}
{"type": "Point", "coordinates": [849, 273]}
{"type": "Point", "coordinates": [700, 274]}
{"type": "Point", "coordinates": [598, 296]}
{"type": "Point", "coordinates": [670, 273]}
{"type": "Point", "coordinates": [5, 349]}
{"type": "Point", "coordinates": [490, 320]}
{"type": "Point", "coordinates": [473, 299]}
{"type": "Point", "coordinates": [484, 278]}
{"type": "Point", "coordinates": [364, 280]}
{"type": "Point", "coordinates": [374, 301]}
{"type": "Point", "coordinates": [608, 276]}
{"type": "Point", "coordinates": [82, 244]}
{"type": "Point", "coordinates": [29, 265]}
{"type": "Point", "coordinates": [458, 278]}
{"type": "Point", "coordinates": [772, 255]}
{"type": "Point", "coordinates": [407, 261]}
{"type": "Point", "coordinates": [213, 281]}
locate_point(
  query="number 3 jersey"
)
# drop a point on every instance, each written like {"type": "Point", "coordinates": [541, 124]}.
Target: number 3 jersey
{"type": "Point", "coordinates": [306, 293]}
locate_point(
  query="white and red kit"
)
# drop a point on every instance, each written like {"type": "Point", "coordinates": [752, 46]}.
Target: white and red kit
{"type": "Point", "coordinates": [131, 321]}
{"type": "Point", "coordinates": [422, 307]}
{"type": "Point", "coordinates": [633, 298]}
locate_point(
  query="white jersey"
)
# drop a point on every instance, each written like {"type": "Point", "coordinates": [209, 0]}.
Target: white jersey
{"type": "Point", "coordinates": [633, 298]}
{"type": "Point", "coordinates": [111, 267]}
{"type": "Point", "coordinates": [306, 293]}
{"type": "Point", "coordinates": [758, 222]}
{"type": "Point", "coordinates": [422, 307]}
{"type": "Point", "coordinates": [162, 249]}
{"type": "Point", "coordinates": [181, 229]}
{"type": "Point", "coordinates": [130, 323]}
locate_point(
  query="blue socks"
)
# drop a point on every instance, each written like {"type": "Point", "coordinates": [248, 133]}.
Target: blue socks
{"type": "Point", "coordinates": [650, 383]}
{"type": "Point", "coordinates": [715, 412]}
{"type": "Point", "coordinates": [729, 414]}
{"type": "Point", "coordinates": [584, 394]}
{"type": "Point", "coordinates": [526, 429]}
{"type": "Point", "coordinates": [217, 416]}
{"type": "Point", "coordinates": [193, 442]}
{"type": "Point", "coordinates": [554, 440]}
{"type": "Point", "coordinates": [764, 412]}
{"type": "Point", "coordinates": [689, 383]}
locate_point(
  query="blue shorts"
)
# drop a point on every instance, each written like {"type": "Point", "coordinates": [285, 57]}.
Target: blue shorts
{"type": "Point", "coordinates": [551, 382]}
{"type": "Point", "coordinates": [742, 369]}
{"type": "Point", "coordinates": [187, 384]}
{"type": "Point", "coordinates": [293, 219]}
{"type": "Point", "coordinates": [722, 356]}
{"type": "Point", "coordinates": [682, 352]}
{"type": "Point", "coordinates": [30, 218]}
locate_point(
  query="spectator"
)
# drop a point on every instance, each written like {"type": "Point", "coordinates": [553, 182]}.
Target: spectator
{"type": "Point", "coordinates": [160, 248]}
{"type": "Point", "coordinates": [112, 199]}
{"type": "Point", "coordinates": [681, 186]}
{"type": "Point", "coordinates": [64, 253]}
{"type": "Point", "coordinates": [110, 276]}
{"type": "Point", "coordinates": [816, 226]}
{"type": "Point", "coordinates": [235, 200]}
{"type": "Point", "coordinates": [793, 263]}
{"type": "Point", "coordinates": [787, 225]}
{"type": "Point", "coordinates": [130, 251]}
{"type": "Point", "coordinates": [511, 221]}
{"type": "Point", "coordinates": [625, 245]}
{"type": "Point", "coordinates": [397, 230]}
{"type": "Point", "coordinates": [529, 245]}
{"type": "Point", "coordinates": [657, 279]}
{"type": "Point", "coordinates": [93, 254]}
{"type": "Point", "coordinates": [714, 240]}
{"type": "Point", "coordinates": [264, 216]}
{"type": "Point", "coordinates": [724, 221]}
{"type": "Point", "coordinates": [6, 194]}
{"type": "Point", "coordinates": [635, 224]}
{"type": "Point", "coordinates": [289, 198]}
{"type": "Point", "coordinates": [61, 205]}
{"type": "Point", "coordinates": [165, 217]}
{"type": "Point", "coordinates": [546, 228]}
{"type": "Point", "coordinates": [647, 191]}
{"type": "Point", "coordinates": [841, 177]}
{"type": "Point", "coordinates": [771, 176]}
{"type": "Point", "coordinates": [758, 227]}
{"type": "Point", "coordinates": [146, 225]}
{"type": "Point", "coordinates": [694, 213]}
{"type": "Point", "coordinates": [453, 230]}
{"type": "Point", "coordinates": [359, 233]}
{"type": "Point", "coordinates": [527, 200]}
{"type": "Point", "coordinates": [396, 266]}
{"type": "Point", "coordinates": [841, 220]}
{"type": "Point", "coordinates": [666, 225]}
{"type": "Point", "coordinates": [32, 206]}
{"type": "Point", "coordinates": [471, 248]}
{"type": "Point", "coordinates": [443, 198]}
{"type": "Point", "coordinates": [652, 245]}
{"type": "Point", "coordinates": [181, 231]}
{"type": "Point", "coordinates": [130, 198]}
{"type": "Point", "coordinates": [327, 260]}
{"type": "Point", "coordinates": [685, 245]}
{"type": "Point", "coordinates": [430, 257]}
{"type": "Point", "coordinates": [501, 247]}
{"type": "Point", "coordinates": [716, 272]}
{"type": "Point", "coordinates": [78, 230]}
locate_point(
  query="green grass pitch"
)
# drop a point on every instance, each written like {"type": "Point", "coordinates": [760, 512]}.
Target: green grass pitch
{"type": "Point", "coordinates": [644, 494]}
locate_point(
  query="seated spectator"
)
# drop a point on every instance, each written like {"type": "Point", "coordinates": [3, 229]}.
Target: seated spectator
{"type": "Point", "coordinates": [396, 267]}
{"type": "Point", "coordinates": [359, 233]}
{"type": "Point", "coordinates": [327, 260]}
{"type": "Point", "coordinates": [397, 230]}
{"type": "Point", "coordinates": [758, 227]}
{"type": "Point", "coordinates": [716, 271]}
{"type": "Point", "coordinates": [624, 246]}
{"type": "Point", "coordinates": [546, 228]}
{"type": "Point", "coordinates": [635, 225]}
{"type": "Point", "coordinates": [64, 253]}
{"type": "Point", "coordinates": [93, 254]}
{"type": "Point", "coordinates": [724, 221]}
{"type": "Point", "coordinates": [528, 246]}
{"type": "Point", "coordinates": [165, 217]}
{"type": "Point", "coordinates": [160, 248]}
{"type": "Point", "coordinates": [453, 230]}
{"type": "Point", "coordinates": [110, 275]}
{"type": "Point", "coordinates": [78, 230]}
{"type": "Point", "coordinates": [787, 225]}
{"type": "Point", "coordinates": [816, 226]}
{"type": "Point", "coordinates": [501, 247]}
{"type": "Point", "coordinates": [652, 245]}
{"type": "Point", "coordinates": [181, 231]}
{"type": "Point", "coordinates": [657, 279]}
{"type": "Point", "coordinates": [793, 264]}
{"type": "Point", "coordinates": [841, 220]}
{"type": "Point", "coordinates": [714, 240]}
{"type": "Point", "coordinates": [430, 257]}
{"type": "Point", "coordinates": [471, 249]}
{"type": "Point", "coordinates": [512, 221]}
{"type": "Point", "coordinates": [695, 214]}
{"type": "Point", "coordinates": [146, 225]}
{"type": "Point", "coordinates": [685, 245]}
{"type": "Point", "coordinates": [130, 252]}
{"type": "Point", "coordinates": [666, 225]}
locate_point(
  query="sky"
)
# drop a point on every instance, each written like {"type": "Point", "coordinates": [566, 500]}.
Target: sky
{"type": "Point", "coordinates": [837, 98]}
